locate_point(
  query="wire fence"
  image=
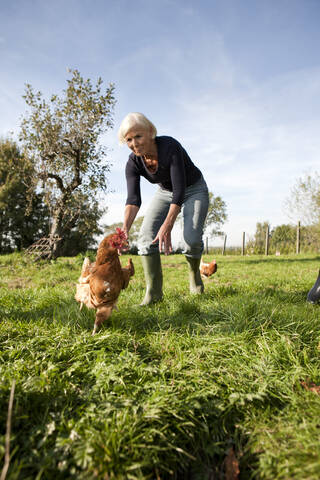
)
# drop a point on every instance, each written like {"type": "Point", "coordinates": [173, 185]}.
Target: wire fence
{"type": "Point", "coordinates": [265, 246]}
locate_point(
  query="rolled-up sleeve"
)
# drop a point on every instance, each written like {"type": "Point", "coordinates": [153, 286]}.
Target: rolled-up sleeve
{"type": "Point", "coordinates": [133, 185]}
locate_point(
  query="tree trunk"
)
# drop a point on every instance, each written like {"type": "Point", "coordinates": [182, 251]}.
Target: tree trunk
{"type": "Point", "coordinates": [56, 235]}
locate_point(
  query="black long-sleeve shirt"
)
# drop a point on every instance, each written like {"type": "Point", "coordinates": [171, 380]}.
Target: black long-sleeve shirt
{"type": "Point", "coordinates": [175, 171]}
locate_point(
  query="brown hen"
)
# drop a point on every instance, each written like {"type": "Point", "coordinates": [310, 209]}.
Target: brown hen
{"type": "Point", "coordinates": [101, 282]}
{"type": "Point", "coordinates": [208, 269]}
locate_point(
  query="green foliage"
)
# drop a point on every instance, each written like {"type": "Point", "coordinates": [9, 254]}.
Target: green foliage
{"type": "Point", "coordinates": [61, 139]}
{"type": "Point", "coordinates": [283, 234]}
{"type": "Point", "coordinates": [310, 238]}
{"type": "Point", "coordinates": [257, 244]}
{"type": "Point", "coordinates": [260, 236]}
{"type": "Point", "coordinates": [162, 391]}
{"type": "Point", "coordinates": [283, 238]}
{"type": "Point", "coordinates": [20, 226]}
{"type": "Point", "coordinates": [61, 136]}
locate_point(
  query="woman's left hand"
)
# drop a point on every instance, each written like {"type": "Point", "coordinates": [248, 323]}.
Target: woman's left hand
{"type": "Point", "coordinates": [164, 238]}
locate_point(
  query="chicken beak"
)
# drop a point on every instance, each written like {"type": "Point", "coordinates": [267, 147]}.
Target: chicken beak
{"type": "Point", "coordinates": [124, 248]}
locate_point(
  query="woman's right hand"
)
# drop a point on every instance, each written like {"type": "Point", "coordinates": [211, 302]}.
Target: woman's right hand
{"type": "Point", "coordinates": [164, 234]}
{"type": "Point", "coordinates": [164, 238]}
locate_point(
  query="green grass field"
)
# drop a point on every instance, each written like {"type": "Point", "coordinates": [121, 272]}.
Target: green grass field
{"type": "Point", "coordinates": [163, 391]}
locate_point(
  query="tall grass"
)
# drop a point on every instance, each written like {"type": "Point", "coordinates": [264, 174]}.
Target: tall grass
{"type": "Point", "coordinates": [162, 391]}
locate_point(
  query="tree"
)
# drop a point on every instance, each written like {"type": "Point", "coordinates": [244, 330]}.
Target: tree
{"type": "Point", "coordinates": [283, 238]}
{"type": "Point", "coordinates": [310, 236]}
{"type": "Point", "coordinates": [260, 236]}
{"type": "Point", "coordinates": [217, 215]}
{"type": "Point", "coordinates": [304, 201]}
{"type": "Point", "coordinates": [61, 139]}
{"type": "Point", "coordinates": [258, 243]}
{"type": "Point", "coordinates": [19, 226]}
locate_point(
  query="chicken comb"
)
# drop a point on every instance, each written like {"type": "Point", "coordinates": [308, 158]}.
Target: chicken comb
{"type": "Point", "coordinates": [121, 233]}
{"type": "Point", "coordinates": [118, 239]}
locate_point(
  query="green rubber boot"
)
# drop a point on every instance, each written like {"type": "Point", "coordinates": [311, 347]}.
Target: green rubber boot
{"type": "Point", "coordinates": [195, 280]}
{"type": "Point", "coordinates": [153, 277]}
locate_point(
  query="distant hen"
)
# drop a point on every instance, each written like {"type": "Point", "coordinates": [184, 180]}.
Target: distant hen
{"type": "Point", "coordinates": [208, 269]}
{"type": "Point", "coordinates": [101, 282]}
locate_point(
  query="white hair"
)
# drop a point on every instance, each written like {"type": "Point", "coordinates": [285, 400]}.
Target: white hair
{"type": "Point", "coordinates": [133, 120]}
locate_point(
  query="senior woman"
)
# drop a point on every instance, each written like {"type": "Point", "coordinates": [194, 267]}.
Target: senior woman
{"type": "Point", "coordinates": [163, 161]}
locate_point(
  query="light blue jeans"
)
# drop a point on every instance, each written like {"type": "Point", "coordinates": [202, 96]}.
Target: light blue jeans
{"type": "Point", "coordinates": [194, 211]}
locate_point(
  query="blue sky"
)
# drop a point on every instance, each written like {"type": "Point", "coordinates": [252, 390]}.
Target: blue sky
{"type": "Point", "coordinates": [237, 82]}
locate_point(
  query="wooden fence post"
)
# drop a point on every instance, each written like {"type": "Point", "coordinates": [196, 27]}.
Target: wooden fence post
{"type": "Point", "coordinates": [224, 245]}
{"type": "Point", "coordinates": [298, 239]}
{"type": "Point", "coordinates": [267, 241]}
{"type": "Point", "coordinates": [243, 243]}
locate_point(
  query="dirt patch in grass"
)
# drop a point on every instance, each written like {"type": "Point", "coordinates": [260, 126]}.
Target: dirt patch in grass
{"type": "Point", "coordinates": [18, 283]}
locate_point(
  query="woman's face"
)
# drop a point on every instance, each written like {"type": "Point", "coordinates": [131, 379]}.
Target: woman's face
{"type": "Point", "coordinates": [140, 141]}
